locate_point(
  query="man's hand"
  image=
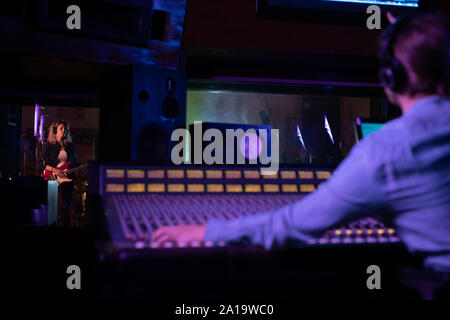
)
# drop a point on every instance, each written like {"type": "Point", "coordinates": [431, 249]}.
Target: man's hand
{"type": "Point", "coordinates": [181, 233]}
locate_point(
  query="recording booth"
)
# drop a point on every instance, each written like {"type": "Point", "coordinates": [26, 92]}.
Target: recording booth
{"type": "Point", "coordinates": [184, 112]}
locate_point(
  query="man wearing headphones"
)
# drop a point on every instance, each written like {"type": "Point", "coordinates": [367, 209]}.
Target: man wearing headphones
{"type": "Point", "coordinates": [58, 150]}
{"type": "Point", "coordinates": [401, 170]}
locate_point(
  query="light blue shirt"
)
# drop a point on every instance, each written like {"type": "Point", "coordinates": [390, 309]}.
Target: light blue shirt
{"type": "Point", "coordinates": [401, 170]}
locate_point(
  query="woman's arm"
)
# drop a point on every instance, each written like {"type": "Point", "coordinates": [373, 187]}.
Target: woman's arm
{"type": "Point", "coordinates": [55, 170]}
{"type": "Point", "coordinates": [49, 163]}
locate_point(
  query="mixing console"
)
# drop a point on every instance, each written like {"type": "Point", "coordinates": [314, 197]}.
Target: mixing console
{"type": "Point", "coordinates": [137, 201]}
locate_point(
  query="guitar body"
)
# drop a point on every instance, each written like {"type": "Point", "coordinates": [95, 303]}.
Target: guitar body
{"type": "Point", "coordinates": [48, 175]}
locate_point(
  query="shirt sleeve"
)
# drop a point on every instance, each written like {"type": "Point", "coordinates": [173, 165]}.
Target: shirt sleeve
{"type": "Point", "coordinates": [354, 190]}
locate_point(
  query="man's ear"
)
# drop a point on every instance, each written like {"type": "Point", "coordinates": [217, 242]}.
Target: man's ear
{"type": "Point", "coordinates": [391, 17]}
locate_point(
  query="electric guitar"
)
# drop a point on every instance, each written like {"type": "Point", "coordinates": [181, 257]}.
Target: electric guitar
{"type": "Point", "coordinates": [64, 168]}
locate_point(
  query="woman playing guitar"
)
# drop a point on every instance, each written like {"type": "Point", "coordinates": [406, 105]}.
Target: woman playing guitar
{"type": "Point", "coordinates": [58, 153]}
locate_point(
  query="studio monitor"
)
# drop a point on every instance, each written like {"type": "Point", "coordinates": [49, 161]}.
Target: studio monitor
{"type": "Point", "coordinates": [140, 107]}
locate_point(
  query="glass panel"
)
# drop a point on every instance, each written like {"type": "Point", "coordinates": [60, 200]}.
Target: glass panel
{"type": "Point", "coordinates": [313, 129]}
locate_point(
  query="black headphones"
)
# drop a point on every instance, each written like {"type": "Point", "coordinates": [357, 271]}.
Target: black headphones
{"type": "Point", "coordinates": [392, 74]}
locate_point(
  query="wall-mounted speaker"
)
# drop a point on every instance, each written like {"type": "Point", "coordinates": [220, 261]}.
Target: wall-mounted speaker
{"type": "Point", "coordinates": [140, 107]}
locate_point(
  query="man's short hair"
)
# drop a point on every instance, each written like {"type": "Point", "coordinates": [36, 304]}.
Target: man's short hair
{"type": "Point", "coordinates": [422, 46]}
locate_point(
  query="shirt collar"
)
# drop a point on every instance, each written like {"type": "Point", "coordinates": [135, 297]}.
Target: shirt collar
{"type": "Point", "coordinates": [423, 103]}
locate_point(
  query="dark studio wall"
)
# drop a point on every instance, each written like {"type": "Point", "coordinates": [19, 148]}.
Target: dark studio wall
{"type": "Point", "coordinates": [228, 38]}
{"type": "Point", "coordinates": [234, 24]}
{"type": "Point", "coordinates": [9, 140]}
{"type": "Point", "coordinates": [206, 37]}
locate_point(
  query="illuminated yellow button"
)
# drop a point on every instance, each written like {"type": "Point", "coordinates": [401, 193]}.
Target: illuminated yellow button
{"type": "Point", "coordinates": [349, 232]}
{"type": "Point", "coordinates": [156, 187]}
{"type": "Point", "coordinates": [234, 188]}
{"type": "Point", "coordinates": [115, 187]}
{"type": "Point", "coordinates": [175, 187]}
{"type": "Point", "coordinates": [252, 188]}
{"type": "Point", "coordinates": [213, 187]}
{"type": "Point", "coordinates": [251, 174]}
{"type": "Point", "coordinates": [136, 174]}
{"type": "Point", "coordinates": [289, 188]}
{"type": "Point", "coordinates": [306, 175]}
{"type": "Point", "coordinates": [195, 187]}
{"type": "Point", "coordinates": [307, 188]}
{"type": "Point", "coordinates": [391, 231]}
{"type": "Point", "coordinates": [323, 175]}
{"type": "Point", "coordinates": [370, 232]}
{"type": "Point", "coordinates": [271, 188]}
{"type": "Point", "coordinates": [136, 187]}
{"type": "Point", "coordinates": [288, 174]}
{"type": "Point", "coordinates": [359, 232]}
{"type": "Point", "coordinates": [338, 232]}
{"type": "Point", "coordinates": [380, 231]}
{"type": "Point", "coordinates": [194, 174]}
{"type": "Point", "coordinates": [155, 174]}
{"type": "Point", "coordinates": [233, 174]}
{"type": "Point", "coordinates": [214, 174]}
{"type": "Point", "coordinates": [175, 174]}
{"type": "Point", "coordinates": [115, 173]}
